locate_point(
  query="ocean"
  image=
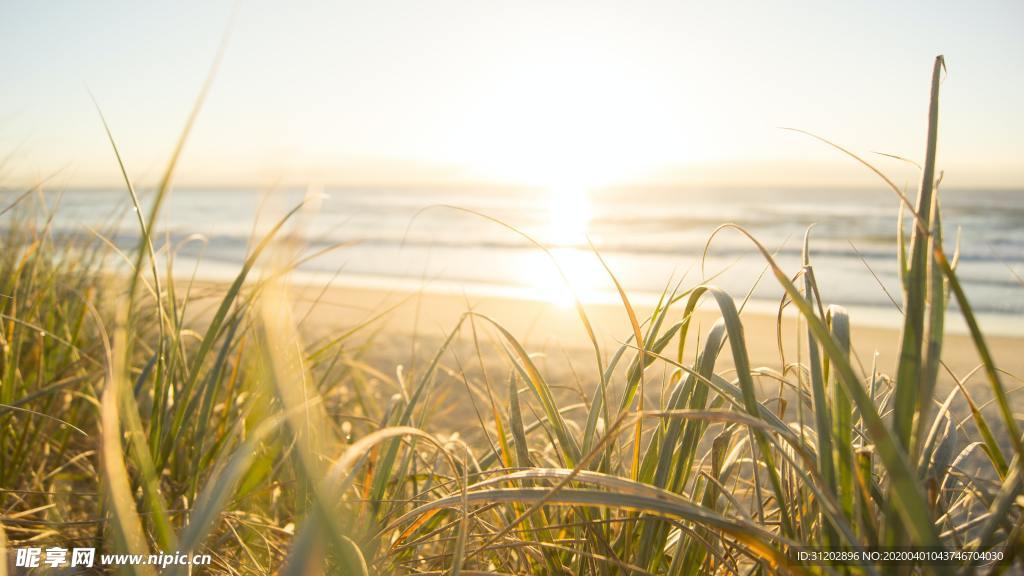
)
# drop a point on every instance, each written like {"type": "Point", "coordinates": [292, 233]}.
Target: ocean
{"type": "Point", "coordinates": [653, 239]}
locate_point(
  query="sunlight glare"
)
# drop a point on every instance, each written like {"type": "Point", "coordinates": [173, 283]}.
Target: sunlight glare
{"type": "Point", "coordinates": [568, 215]}
{"type": "Point", "coordinates": [565, 233]}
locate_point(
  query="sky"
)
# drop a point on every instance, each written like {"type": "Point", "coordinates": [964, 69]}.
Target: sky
{"type": "Point", "coordinates": [546, 92]}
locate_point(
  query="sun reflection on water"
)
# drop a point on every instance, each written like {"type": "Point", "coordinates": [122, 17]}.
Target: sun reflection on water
{"type": "Point", "coordinates": [565, 233]}
{"type": "Point", "coordinates": [568, 216]}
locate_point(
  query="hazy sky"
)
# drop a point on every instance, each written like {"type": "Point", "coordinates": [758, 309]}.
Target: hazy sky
{"type": "Point", "coordinates": [526, 91]}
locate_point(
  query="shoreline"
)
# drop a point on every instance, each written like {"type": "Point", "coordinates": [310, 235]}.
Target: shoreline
{"type": "Point", "coordinates": [547, 327]}
{"type": "Point", "coordinates": [882, 318]}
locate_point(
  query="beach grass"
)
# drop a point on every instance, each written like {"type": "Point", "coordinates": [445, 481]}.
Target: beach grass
{"type": "Point", "coordinates": [134, 422]}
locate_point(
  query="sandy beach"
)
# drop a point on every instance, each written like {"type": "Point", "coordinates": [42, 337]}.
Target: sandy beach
{"type": "Point", "coordinates": [555, 333]}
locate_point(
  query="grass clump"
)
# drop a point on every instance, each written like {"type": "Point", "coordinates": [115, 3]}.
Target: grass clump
{"type": "Point", "coordinates": [132, 422]}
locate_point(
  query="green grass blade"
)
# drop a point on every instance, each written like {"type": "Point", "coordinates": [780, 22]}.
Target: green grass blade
{"type": "Point", "coordinates": [908, 500]}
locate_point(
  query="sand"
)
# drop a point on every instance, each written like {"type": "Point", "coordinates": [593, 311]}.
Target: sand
{"type": "Point", "coordinates": [408, 327]}
{"type": "Point", "coordinates": [546, 328]}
